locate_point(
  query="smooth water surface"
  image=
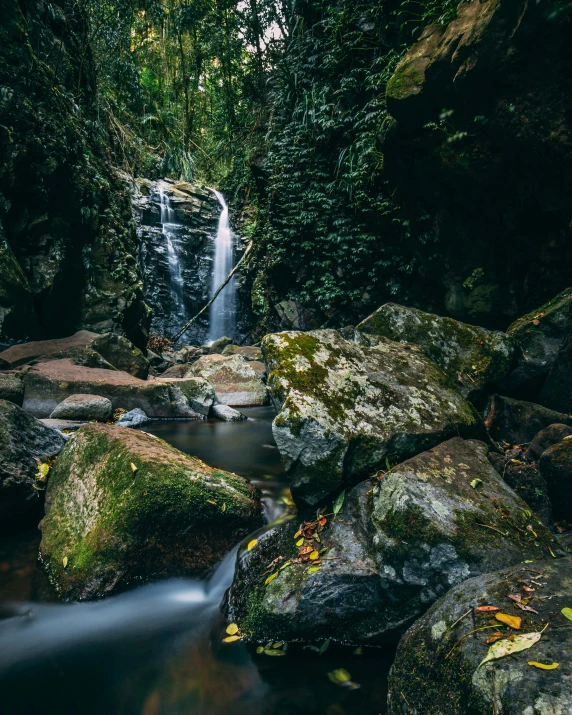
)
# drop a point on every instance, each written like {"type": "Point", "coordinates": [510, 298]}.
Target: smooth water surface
{"type": "Point", "coordinates": [157, 650]}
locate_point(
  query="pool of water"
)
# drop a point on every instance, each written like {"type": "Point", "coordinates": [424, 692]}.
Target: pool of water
{"type": "Point", "coordinates": [157, 650]}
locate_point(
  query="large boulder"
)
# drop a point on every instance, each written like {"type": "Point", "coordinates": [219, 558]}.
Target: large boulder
{"type": "Point", "coordinates": [109, 351]}
{"type": "Point", "coordinates": [471, 355]}
{"type": "Point", "coordinates": [555, 465]}
{"type": "Point", "coordinates": [546, 438]}
{"type": "Point", "coordinates": [24, 443]}
{"type": "Point", "coordinates": [237, 383]}
{"type": "Point", "coordinates": [518, 422]}
{"type": "Point", "coordinates": [248, 352]}
{"type": "Point", "coordinates": [48, 383]}
{"type": "Point", "coordinates": [345, 409]}
{"type": "Point", "coordinates": [539, 337]}
{"type": "Point", "coordinates": [397, 545]}
{"type": "Point", "coordinates": [219, 345]}
{"type": "Point", "coordinates": [439, 667]}
{"type": "Point", "coordinates": [11, 387]}
{"type": "Point", "coordinates": [123, 507]}
{"type": "Point", "coordinates": [556, 391]}
{"type": "Point", "coordinates": [84, 408]}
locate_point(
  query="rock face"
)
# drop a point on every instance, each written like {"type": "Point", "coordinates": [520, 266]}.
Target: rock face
{"type": "Point", "coordinates": [555, 465]}
{"type": "Point", "coordinates": [48, 383]}
{"type": "Point", "coordinates": [518, 422]}
{"type": "Point", "coordinates": [437, 669]}
{"type": "Point", "coordinates": [472, 356]}
{"type": "Point", "coordinates": [67, 238]}
{"type": "Point", "coordinates": [396, 547]}
{"type": "Point", "coordinates": [345, 409]}
{"type": "Point", "coordinates": [24, 442]}
{"type": "Point", "coordinates": [11, 387]}
{"type": "Point", "coordinates": [196, 213]}
{"type": "Point", "coordinates": [115, 526]}
{"type": "Point", "coordinates": [109, 351]}
{"type": "Point", "coordinates": [85, 408]}
{"type": "Point", "coordinates": [237, 383]}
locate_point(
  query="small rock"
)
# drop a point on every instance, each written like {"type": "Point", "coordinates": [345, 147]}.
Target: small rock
{"type": "Point", "coordinates": [219, 345]}
{"type": "Point", "coordinates": [248, 352]}
{"type": "Point", "coordinates": [133, 418]}
{"type": "Point", "coordinates": [545, 439]}
{"type": "Point", "coordinates": [179, 371]}
{"type": "Point", "coordinates": [518, 422]}
{"type": "Point", "coordinates": [227, 414]}
{"type": "Point", "coordinates": [84, 407]}
{"type": "Point", "coordinates": [555, 465]}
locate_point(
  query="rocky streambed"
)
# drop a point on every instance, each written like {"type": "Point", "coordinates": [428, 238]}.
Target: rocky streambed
{"type": "Point", "coordinates": [429, 472]}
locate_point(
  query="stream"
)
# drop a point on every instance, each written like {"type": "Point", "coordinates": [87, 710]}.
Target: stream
{"type": "Point", "coordinates": [157, 649]}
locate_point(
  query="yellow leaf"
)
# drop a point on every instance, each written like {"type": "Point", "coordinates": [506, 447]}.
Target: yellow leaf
{"type": "Point", "coordinates": [512, 621]}
{"type": "Point", "coordinates": [567, 613]}
{"type": "Point", "coordinates": [43, 471]}
{"type": "Point", "coordinates": [543, 666]}
{"type": "Point", "coordinates": [297, 534]}
{"type": "Point", "coordinates": [260, 649]}
{"type": "Point", "coordinates": [285, 565]}
{"type": "Point", "coordinates": [339, 676]}
{"type": "Point", "coordinates": [252, 544]}
{"type": "Point", "coordinates": [270, 651]}
{"type": "Point", "coordinates": [507, 646]}
{"type": "Point", "coordinates": [134, 467]}
{"type": "Point", "coordinates": [224, 506]}
{"type": "Point", "coordinates": [299, 542]}
{"type": "Point", "coordinates": [231, 639]}
{"type": "Point", "coordinates": [65, 561]}
{"type": "Point", "coordinates": [232, 629]}
{"type": "Point", "coordinates": [210, 501]}
{"type": "Point", "coordinates": [271, 578]}
{"type": "Point", "coordinates": [315, 568]}
{"type": "Point", "coordinates": [314, 555]}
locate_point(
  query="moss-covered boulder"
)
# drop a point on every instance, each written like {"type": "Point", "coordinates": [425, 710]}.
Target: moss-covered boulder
{"type": "Point", "coordinates": [345, 408]}
{"type": "Point", "coordinates": [555, 465]}
{"type": "Point", "coordinates": [517, 421]}
{"type": "Point", "coordinates": [237, 382]}
{"type": "Point", "coordinates": [24, 443]}
{"type": "Point", "coordinates": [123, 507]}
{"type": "Point", "coordinates": [471, 355]}
{"type": "Point", "coordinates": [539, 337]}
{"type": "Point", "coordinates": [397, 545]}
{"type": "Point", "coordinates": [438, 671]}
{"type": "Point", "coordinates": [546, 438]}
{"type": "Point", "coordinates": [11, 387]}
{"type": "Point", "coordinates": [84, 408]}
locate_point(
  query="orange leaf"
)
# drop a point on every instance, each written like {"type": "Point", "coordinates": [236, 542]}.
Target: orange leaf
{"type": "Point", "coordinates": [512, 621]}
{"type": "Point", "coordinates": [495, 637]}
{"type": "Point", "coordinates": [486, 609]}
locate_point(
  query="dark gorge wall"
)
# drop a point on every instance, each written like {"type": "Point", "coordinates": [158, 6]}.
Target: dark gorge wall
{"type": "Point", "coordinates": [68, 243]}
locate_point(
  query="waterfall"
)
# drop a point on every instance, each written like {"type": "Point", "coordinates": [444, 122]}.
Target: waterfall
{"type": "Point", "coordinates": [223, 311]}
{"type": "Point", "coordinates": [169, 225]}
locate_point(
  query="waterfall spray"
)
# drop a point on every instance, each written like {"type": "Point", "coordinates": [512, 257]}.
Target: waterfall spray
{"type": "Point", "coordinates": [222, 316]}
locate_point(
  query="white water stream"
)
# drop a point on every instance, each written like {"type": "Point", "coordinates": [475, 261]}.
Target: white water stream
{"type": "Point", "coordinates": [222, 317]}
{"type": "Point", "coordinates": [169, 225]}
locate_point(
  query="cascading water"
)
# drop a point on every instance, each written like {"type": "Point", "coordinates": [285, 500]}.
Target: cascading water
{"type": "Point", "coordinates": [169, 225]}
{"type": "Point", "coordinates": [222, 318]}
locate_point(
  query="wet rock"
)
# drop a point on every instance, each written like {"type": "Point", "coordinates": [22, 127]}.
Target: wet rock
{"type": "Point", "coordinates": [518, 422]}
{"type": "Point", "coordinates": [84, 407]}
{"type": "Point", "coordinates": [85, 348]}
{"type": "Point", "coordinates": [539, 336]}
{"type": "Point", "coordinates": [437, 668]}
{"type": "Point", "coordinates": [48, 383]}
{"type": "Point", "coordinates": [545, 439]}
{"type": "Point", "coordinates": [345, 409]}
{"type": "Point", "coordinates": [396, 547]}
{"type": "Point", "coordinates": [178, 371]}
{"type": "Point", "coordinates": [63, 426]}
{"type": "Point", "coordinates": [248, 352]}
{"type": "Point", "coordinates": [471, 355]}
{"type": "Point", "coordinates": [108, 527]}
{"type": "Point", "coordinates": [219, 345]}
{"type": "Point", "coordinates": [565, 541]}
{"type": "Point", "coordinates": [556, 392]}
{"type": "Point", "coordinates": [227, 414]}
{"type": "Point", "coordinates": [24, 442]}
{"type": "Point", "coordinates": [194, 392]}
{"type": "Point", "coordinates": [133, 418]}
{"type": "Point", "coordinates": [237, 383]}
{"type": "Point", "coordinates": [11, 387]}
{"type": "Point", "coordinates": [555, 465]}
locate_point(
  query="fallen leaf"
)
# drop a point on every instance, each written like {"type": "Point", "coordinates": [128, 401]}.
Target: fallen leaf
{"type": "Point", "coordinates": [43, 471]}
{"type": "Point", "coordinates": [536, 322]}
{"type": "Point", "coordinates": [231, 639]}
{"type": "Point", "coordinates": [339, 676]}
{"type": "Point", "coordinates": [543, 666]}
{"type": "Point", "coordinates": [285, 566]}
{"type": "Point", "coordinates": [517, 598]}
{"type": "Point", "coordinates": [271, 578]}
{"type": "Point", "coordinates": [314, 555]}
{"type": "Point", "coordinates": [322, 521]}
{"type": "Point", "coordinates": [567, 613]}
{"type": "Point", "coordinates": [65, 561]}
{"type": "Point", "coordinates": [210, 501]}
{"type": "Point", "coordinates": [134, 467]}
{"type": "Point", "coordinates": [315, 568]}
{"type": "Point", "coordinates": [338, 504]}
{"type": "Point", "coordinates": [252, 544]}
{"type": "Point", "coordinates": [497, 635]}
{"type": "Point", "coordinates": [358, 650]}
{"type": "Point", "coordinates": [528, 589]}
{"type": "Point", "coordinates": [297, 534]}
{"type": "Point", "coordinates": [232, 629]}
{"type": "Point", "coordinates": [486, 609]}
{"type": "Point", "coordinates": [224, 506]}
{"type": "Point", "coordinates": [476, 483]}
{"type": "Point", "coordinates": [299, 542]}
{"type": "Point", "coordinates": [512, 621]}
{"type": "Point", "coordinates": [513, 644]}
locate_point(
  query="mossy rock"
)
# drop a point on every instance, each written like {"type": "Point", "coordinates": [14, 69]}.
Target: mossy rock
{"type": "Point", "coordinates": [472, 356]}
{"type": "Point", "coordinates": [109, 526]}
{"type": "Point", "coordinates": [397, 545]}
{"type": "Point", "coordinates": [345, 409]}
{"type": "Point", "coordinates": [437, 668]}
{"type": "Point", "coordinates": [237, 382]}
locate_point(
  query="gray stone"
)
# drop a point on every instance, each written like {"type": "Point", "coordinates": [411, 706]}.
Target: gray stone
{"type": "Point", "coordinates": [227, 414]}
{"type": "Point", "coordinates": [237, 383]}
{"type": "Point", "coordinates": [24, 443]}
{"type": "Point", "coordinates": [344, 409]}
{"type": "Point", "coordinates": [11, 387]}
{"type": "Point", "coordinates": [438, 671]}
{"type": "Point", "coordinates": [518, 422]}
{"type": "Point", "coordinates": [219, 345]}
{"type": "Point", "coordinates": [84, 407]}
{"type": "Point", "coordinates": [133, 418]}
